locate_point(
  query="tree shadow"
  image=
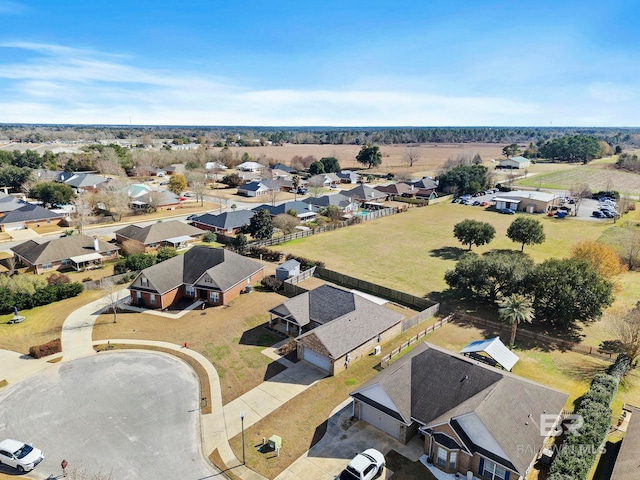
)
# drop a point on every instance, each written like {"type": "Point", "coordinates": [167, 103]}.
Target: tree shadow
{"type": "Point", "coordinates": [585, 370]}
{"type": "Point", "coordinates": [260, 336]}
{"type": "Point", "coordinates": [607, 461]}
{"type": "Point", "coordinates": [448, 253]}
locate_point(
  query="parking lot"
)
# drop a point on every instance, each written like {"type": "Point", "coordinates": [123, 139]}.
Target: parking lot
{"type": "Point", "coordinates": [110, 414]}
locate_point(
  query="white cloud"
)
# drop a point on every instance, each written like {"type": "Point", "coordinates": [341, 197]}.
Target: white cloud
{"type": "Point", "coordinates": [58, 84]}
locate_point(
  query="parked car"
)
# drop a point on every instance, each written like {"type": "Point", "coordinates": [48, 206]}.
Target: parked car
{"type": "Point", "coordinates": [192, 216]}
{"type": "Point", "coordinates": [507, 211]}
{"type": "Point", "coordinates": [597, 214]}
{"type": "Point", "coordinates": [476, 203]}
{"type": "Point", "coordinates": [301, 191]}
{"type": "Point", "coordinates": [19, 455]}
{"type": "Point", "coordinates": [164, 183]}
{"type": "Point", "coordinates": [364, 466]}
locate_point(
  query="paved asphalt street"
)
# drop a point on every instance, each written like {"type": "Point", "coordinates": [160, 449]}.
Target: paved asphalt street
{"type": "Point", "coordinates": [110, 413]}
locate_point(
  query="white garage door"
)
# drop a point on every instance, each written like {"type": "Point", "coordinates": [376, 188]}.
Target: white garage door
{"type": "Point", "coordinates": [380, 420]}
{"type": "Point", "coordinates": [316, 359]}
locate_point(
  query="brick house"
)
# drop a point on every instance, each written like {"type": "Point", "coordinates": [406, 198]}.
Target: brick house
{"type": "Point", "coordinates": [172, 233]}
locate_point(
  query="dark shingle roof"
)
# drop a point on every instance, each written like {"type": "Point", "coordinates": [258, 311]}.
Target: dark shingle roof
{"type": "Point", "coordinates": [224, 268]}
{"type": "Point", "coordinates": [433, 386]}
{"type": "Point", "coordinates": [366, 193]}
{"type": "Point", "coordinates": [38, 252]}
{"type": "Point", "coordinates": [320, 305]}
{"type": "Point", "coordinates": [158, 232]}
{"type": "Point", "coordinates": [299, 206]}
{"type": "Point", "coordinates": [29, 213]}
{"type": "Point", "coordinates": [226, 220]}
{"type": "Point", "coordinates": [9, 203]}
{"type": "Point", "coordinates": [80, 180]}
{"type": "Point", "coordinates": [337, 199]}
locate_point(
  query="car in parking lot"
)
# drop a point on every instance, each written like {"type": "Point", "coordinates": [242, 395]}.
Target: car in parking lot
{"type": "Point", "coordinates": [507, 211]}
{"type": "Point", "coordinates": [364, 466]}
{"type": "Point", "coordinates": [19, 455]}
{"type": "Point", "coordinates": [597, 214]}
{"type": "Point", "coordinates": [193, 216]}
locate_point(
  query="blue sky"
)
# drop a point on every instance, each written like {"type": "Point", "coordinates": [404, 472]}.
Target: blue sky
{"type": "Point", "coordinates": [329, 63]}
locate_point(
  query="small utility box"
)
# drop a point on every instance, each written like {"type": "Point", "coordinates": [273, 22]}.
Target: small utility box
{"type": "Point", "coordinates": [275, 442]}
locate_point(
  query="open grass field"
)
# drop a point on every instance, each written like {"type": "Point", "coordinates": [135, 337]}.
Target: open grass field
{"type": "Point", "coordinates": [432, 156]}
{"type": "Point", "coordinates": [600, 176]}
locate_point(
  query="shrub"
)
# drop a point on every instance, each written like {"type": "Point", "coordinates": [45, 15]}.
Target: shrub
{"type": "Point", "coordinates": [267, 254]}
{"type": "Point", "coordinates": [165, 253]}
{"type": "Point", "coordinates": [271, 283]}
{"type": "Point", "coordinates": [209, 237]}
{"type": "Point", "coordinates": [120, 267]}
{"type": "Point", "coordinates": [306, 263]}
{"type": "Point", "coordinates": [46, 349]}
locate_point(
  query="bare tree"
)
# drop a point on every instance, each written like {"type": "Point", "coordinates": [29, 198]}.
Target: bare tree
{"type": "Point", "coordinates": [114, 197]}
{"type": "Point", "coordinates": [626, 328]}
{"type": "Point", "coordinates": [82, 211]}
{"type": "Point", "coordinates": [411, 155]}
{"type": "Point", "coordinates": [273, 192]}
{"type": "Point", "coordinates": [631, 245]}
{"type": "Point", "coordinates": [111, 290]}
{"type": "Point", "coordinates": [197, 180]}
{"type": "Point", "coordinates": [316, 189]}
{"type": "Point", "coordinates": [10, 263]}
{"type": "Point", "coordinates": [579, 193]}
{"type": "Point", "coordinates": [108, 163]}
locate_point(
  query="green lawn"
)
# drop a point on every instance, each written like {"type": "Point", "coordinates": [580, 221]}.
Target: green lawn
{"type": "Point", "coordinates": [600, 176]}
{"type": "Point", "coordinates": [411, 251]}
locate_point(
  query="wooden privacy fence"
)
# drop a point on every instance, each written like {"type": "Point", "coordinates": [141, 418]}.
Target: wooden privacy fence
{"type": "Point", "coordinates": [326, 228]}
{"type": "Point", "coordinates": [384, 362]}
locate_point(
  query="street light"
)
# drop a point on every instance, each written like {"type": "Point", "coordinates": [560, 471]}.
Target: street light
{"type": "Point", "coordinates": [242, 427]}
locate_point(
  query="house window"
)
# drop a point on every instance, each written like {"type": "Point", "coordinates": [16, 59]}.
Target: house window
{"type": "Point", "coordinates": [453, 457]}
{"type": "Point", "coordinates": [66, 262]}
{"type": "Point", "coordinates": [493, 471]}
{"type": "Point", "coordinates": [138, 294]}
{"type": "Point", "coordinates": [207, 280]}
{"type": "Point", "coordinates": [152, 298]}
{"type": "Point", "coordinates": [144, 282]}
{"type": "Point", "coordinates": [214, 297]}
{"type": "Point", "coordinates": [442, 457]}
{"type": "Point", "coordinates": [190, 290]}
{"type": "Point", "coordinates": [47, 266]}
{"type": "Point", "coordinates": [151, 245]}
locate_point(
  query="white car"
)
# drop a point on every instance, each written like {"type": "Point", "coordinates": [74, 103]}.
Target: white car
{"type": "Point", "coordinates": [19, 455]}
{"type": "Point", "coordinates": [364, 466]}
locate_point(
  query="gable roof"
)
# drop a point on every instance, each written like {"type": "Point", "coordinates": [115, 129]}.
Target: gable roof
{"type": "Point", "coordinates": [365, 192]}
{"type": "Point", "coordinates": [434, 386]}
{"type": "Point", "coordinates": [158, 232]}
{"type": "Point", "coordinates": [29, 213]}
{"type": "Point", "coordinates": [226, 220]}
{"type": "Point", "coordinates": [283, 167]}
{"type": "Point", "coordinates": [264, 184]}
{"type": "Point", "coordinates": [519, 159]}
{"type": "Point", "coordinates": [495, 349]}
{"type": "Point", "coordinates": [80, 180]}
{"type": "Point", "coordinates": [9, 203]}
{"type": "Point", "coordinates": [425, 183]}
{"type": "Point", "coordinates": [300, 207]}
{"type": "Point", "coordinates": [38, 251]}
{"type": "Point", "coordinates": [320, 305]}
{"type": "Point", "coordinates": [356, 327]}
{"type": "Point", "coordinates": [160, 199]}
{"type": "Point", "coordinates": [250, 166]}
{"type": "Point", "coordinates": [224, 268]}
{"type": "Point", "coordinates": [338, 199]}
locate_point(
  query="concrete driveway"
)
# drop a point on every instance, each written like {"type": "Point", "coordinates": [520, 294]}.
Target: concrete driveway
{"type": "Point", "coordinates": [110, 414]}
{"type": "Point", "coordinates": [343, 440]}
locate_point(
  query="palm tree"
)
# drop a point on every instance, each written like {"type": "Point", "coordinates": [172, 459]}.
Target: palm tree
{"type": "Point", "coordinates": [515, 309]}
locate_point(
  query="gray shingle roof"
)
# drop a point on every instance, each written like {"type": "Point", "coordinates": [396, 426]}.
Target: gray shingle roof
{"type": "Point", "coordinates": [161, 198]}
{"type": "Point", "coordinates": [225, 269]}
{"type": "Point", "coordinates": [299, 206]}
{"type": "Point", "coordinates": [433, 386]}
{"type": "Point", "coordinates": [158, 232]}
{"type": "Point", "coordinates": [29, 213]}
{"type": "Point", "coordinates": [80, 180]}
{"type": "Point", "coordinates": [320, 305]}
{"type": "Point", "coordinates": [365, 192]}
{"type": "Point", "coordinates": [9, 203]}
{"type": "Point", "coordinates": [337, 199]}
{"type": "Point", "coordinates": [226, 220]}
{"type": "Point", "coordinates": [627, 464]}
{"type": "Point", "coordinates": [347, 332]}
{"type": "Point", "coordinates": [38, 252]}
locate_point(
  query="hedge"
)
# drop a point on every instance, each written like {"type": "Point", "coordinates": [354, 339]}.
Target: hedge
{"type": "Point", "coordinates": [579, 451]}
{"type": "Point", "coordinates": [305, 263]}
{"type": "Point", "coordinates": [42, 296]}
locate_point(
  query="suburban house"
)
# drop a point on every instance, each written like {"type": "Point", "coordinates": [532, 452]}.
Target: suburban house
{"type": "Point", "coordinates": [228, 223]}
{"type": "Point", "coordinates": [626, 466]}
{"type": "Point", "coordinates": [8, 203]}
{"type": "Point", "coordinates": [162, 200]}
{"type": "Point", "coordinates": [27, 216]}
{"type": "Point", "coordinates": [214, 166]}
{"type": "Point", "coordinates": [176, 168]}
{"type": "Point", "coordinates": [347, 176]}
{"type": "Point", "coordinates": [250, 167]}
{"type": "Point", "coordinates": [491, 351]}
{"type": "Point", "coordinates": [526, 201]}
{"type": "Point", "coordinates": [326, 180]}
{"type": "Point", "coordinates": [85, 181]}
{"type": "Point", "coordinates": [214, 276]}
{"type": "Point", "coordinates": [172, 233]}
{"type": "Point", "coordinates": [76, 252]}
{"type": "Point", "coordinates": [474, 417]}
{"type": "Point", "coordinates": [335, 327]}
{"type": "Point", "coordinates": [345, 203]}
{"type": "Point", "coordinates": [284, 168]}
{"type": "Point", "coordinates": [367, 196]}
{"type": "Point", "coordinates": [304, 211]}
{"type": "Point", "coordinates": [257, 188]}
{"type": "Point", "coordinates": [515, 162]}
{"type": "Point", "coordinates": [143, 171]}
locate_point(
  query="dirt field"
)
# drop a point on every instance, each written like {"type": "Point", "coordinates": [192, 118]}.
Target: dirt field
{"type": "Point", "coordinates": [432, 156]}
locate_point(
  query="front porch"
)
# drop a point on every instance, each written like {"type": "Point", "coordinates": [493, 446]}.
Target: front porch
{"type": "Point", "coordinates": [440, 475]}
